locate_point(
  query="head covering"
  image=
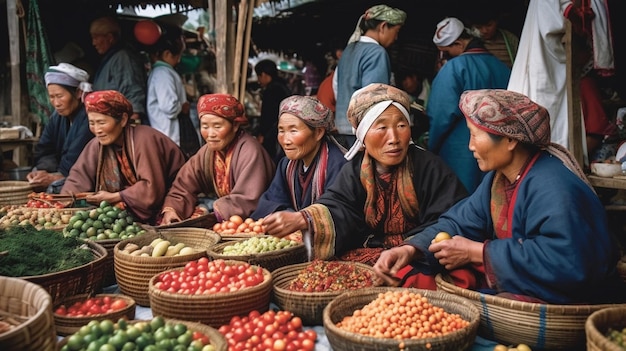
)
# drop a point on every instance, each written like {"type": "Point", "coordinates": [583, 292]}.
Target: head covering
{"type": "Point", "coordinates": [367, 103]}
{"type": "Point", "coordinates": [108, 102]}
{"type": "Point", "coordinates": [310, 110]}
{"type": "Point", "coordinates": [67, 74]}
{"type": "Point", "coordinates": [514, 115]}
{"type": "Point", "coordinates": [222, 105]}
{"type": "Point", "coordinates": [384, 13]}
{"type": "Point", "coordinates": [448, 31]}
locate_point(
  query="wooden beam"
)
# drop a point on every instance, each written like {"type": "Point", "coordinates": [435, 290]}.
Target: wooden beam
{"type": "Point", "coordinates": [246, 52]}
{"type": "Point", "coordinates": [14, 47]}
{"type": "Point", "coordinates": [221, 17]}
{"type": "Point", "coordinates": [575, 126]}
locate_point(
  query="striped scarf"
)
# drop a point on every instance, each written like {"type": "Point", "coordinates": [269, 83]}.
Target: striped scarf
{"type": "Point", "coordinates": [312, 182]}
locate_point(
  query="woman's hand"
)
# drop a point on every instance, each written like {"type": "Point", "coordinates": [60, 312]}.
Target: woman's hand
{"type": "Point", "coordinates": [457, 251]}
{"type": "Point", "coordinates": [283, 223]}
{"type": "Point", "coordinates": [170, 217]}
{"type": "Point", "coordinates": [42, 179]}
{"type": "Point", "coordinates": [392, 260]}
{"type": "Point", "coordinates": [97, 198]}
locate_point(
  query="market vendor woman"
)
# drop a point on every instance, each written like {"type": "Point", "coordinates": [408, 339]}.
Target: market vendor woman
{"type": "Point", "coordinates": [124, 163]}
{"type": "Point", "coordinates": [387, 191]}
{"type": "Point", "coordinates": [534, 230]}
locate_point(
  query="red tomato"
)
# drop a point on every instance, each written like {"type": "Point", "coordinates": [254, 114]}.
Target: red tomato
{"type": "Point", "coordinates": [118, 304]}
{"type": "Point", "coordinates": [308, 345]}
{"type": "Point", "coordinates": [61, 310]}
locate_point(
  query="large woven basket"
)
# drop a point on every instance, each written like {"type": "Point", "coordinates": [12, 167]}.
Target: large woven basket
{"type": "Point", "coordinates": [85, 279]}
{"type": "Point", "coordinates": [133, 273]}
{"type": "Point", "coordinates": [218, 341]}
{"type": "Point", "coordinates": [213, 309]}
{"type": "Point", "coordinates": [66, 325]}
{"type": "Point", "coordinates": [268, 260]}
{"type": "Point", "coordinates": [309, 306]}
{"type": "Point", "coordinates": [32, 306]}
{"type": "Point", "coordinates": [542, 326]}
{"type": "Point", "coordinates": [346, 303]}
{"type": "Point", "coordinates": [14, 192]}
{"type": "Point", "coordinates": [599, 323]}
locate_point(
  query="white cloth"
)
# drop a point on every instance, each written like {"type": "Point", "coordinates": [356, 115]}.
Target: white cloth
{"type": "Point", "coordinates": [602, 38]}
{"type": "Point", "coordinates": [448, 30]}
{"type": "Point", "coordinates": [165, 99]}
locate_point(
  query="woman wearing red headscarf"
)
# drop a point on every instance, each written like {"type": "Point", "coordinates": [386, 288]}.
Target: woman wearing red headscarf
{"type": "Point", "coordinates": [124, 163]}
{"type": "Point", "coordinates": [232, 165]}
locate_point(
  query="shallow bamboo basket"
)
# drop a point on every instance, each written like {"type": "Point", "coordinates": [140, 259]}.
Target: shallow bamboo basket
{"type": "Point", "coordinates": [87, 278]}
{"type": "Point", "coordinates": [213, 309]}
{"type": "Point", "coordinates": [541, 326]}
{"type": "Point", "coordinates": [133, 273]}
{"type": "Point", "coordinates": [309, 306]}
{"type": "Point", "coordinates": [599, 323]}
{"type": "Point", "coordinates": [346, 303]}
{"type": "Point", "coordinates": [30, 302]}
{"type": "Point", "coordinates": [66, 325]}
{"type": "Point", "coordinates": [218, 341]}
{"type": "Point", "coordinates": [14, 192]}
{"type": "Point", "coordinates": [269, 260]}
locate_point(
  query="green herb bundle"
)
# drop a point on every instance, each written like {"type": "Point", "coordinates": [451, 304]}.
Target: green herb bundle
{"type": "Point", "coordinates": [35, 252]}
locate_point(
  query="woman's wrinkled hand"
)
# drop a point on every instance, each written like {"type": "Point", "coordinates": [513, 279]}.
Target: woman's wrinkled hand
{"type": "Point", "coordinates": [283, 223]}
{"type": "Point", "coordinates": [98, 197]}
{"type": "Point", "coordinates": [456, 252]}
{"type": "Point", "coordinates": [393, 260]}
{"type": "Point", "coordinates": [170, 217]}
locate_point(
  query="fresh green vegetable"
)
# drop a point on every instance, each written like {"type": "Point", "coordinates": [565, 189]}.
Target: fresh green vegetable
{"type": "Point", "coordinates": [36, 252]}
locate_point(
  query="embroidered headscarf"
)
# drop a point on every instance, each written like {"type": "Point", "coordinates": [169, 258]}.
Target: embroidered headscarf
{"type": "Point", "coordinates": [367, 103]}
{"type": "Point", "coordinates": [514, 115]}
{"type": "Point", "coordinates": [70, 75]}
{"type": "Point", "coordinates": [384, 13]}
{"type": "Point", "coordinates": [310, 110]}
{"type": "Point", "coordinates": [108, 102]}
{"type": "Point", "coordinates": [222, 105]}
{"type": "Point", "coordinates": [448, 30]}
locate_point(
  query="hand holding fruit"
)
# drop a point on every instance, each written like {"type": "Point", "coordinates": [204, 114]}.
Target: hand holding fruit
{"type": "Point", "coordinates": [283, 223]}
{"type": "Point", "coordinates": [456, 251]}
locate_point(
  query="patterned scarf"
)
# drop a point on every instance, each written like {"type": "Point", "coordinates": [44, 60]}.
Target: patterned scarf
{"type": "Point", "coordinates": [312, 181]}
{"type": "Point", "coordinates": [115, 169]}
{"type": "Point", "coordinates": [218, 165]}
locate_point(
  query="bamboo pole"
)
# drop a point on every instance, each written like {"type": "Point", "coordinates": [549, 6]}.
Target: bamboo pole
{"type": "Point", "coordinates": [575, 127]}
{"type": "Point", "coordinates": [221, 18]}
{"type": "Point", "coordinates": [246, 51]}
{"type": "Point", "coordinates": [241, 18]}
{"type": "Point", "coordinates": [14, 45]}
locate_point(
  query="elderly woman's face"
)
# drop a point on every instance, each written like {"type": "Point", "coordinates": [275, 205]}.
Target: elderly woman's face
{"type": "Point", "coordinates": [387, 140]}
{"type": "Point", "coordinates": [102, 42]}
{"type": "Point", "coordinates": [489, 153]}
{"type": "Point", "coordinates": [217, 131]}
{"type": "Point", "coordinates": [63, 101]}
{"type": "Point", "coordinates": [298, 140]}
{"type": "Point", "coordinates": [107, 129]}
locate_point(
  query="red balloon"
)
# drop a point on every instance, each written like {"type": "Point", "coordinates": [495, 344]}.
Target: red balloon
{"type": "Point", "coordinates": [147, 32]}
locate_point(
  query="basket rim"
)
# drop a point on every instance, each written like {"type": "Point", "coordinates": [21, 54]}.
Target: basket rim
{"type": "Point", "coordinates": [211, 251]}
{"type": "Point", "coordinates": [32, 319]}
{"type": "Point", "coordinates": [593, 333]}
{"type": "Point", "coordinates": [264, 285]}
{"type": "Point", "coordinates": [71, 299]}
{"type": "Point", "coordinates": [278, 287]}
{"type": "Point", "coordinates": [159, 234]}
{"type": "Point", "coordinates": [472, 327]}
{"type": "Point", "coordinates": [94, 246]}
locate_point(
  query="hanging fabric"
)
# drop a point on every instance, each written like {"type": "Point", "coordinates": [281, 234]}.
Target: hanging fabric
{"type": "Point", "coordinates": [38, 59]}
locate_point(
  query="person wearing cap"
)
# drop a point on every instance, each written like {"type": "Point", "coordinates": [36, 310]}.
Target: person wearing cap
{"type": "Point", "coordinates": [232, 165]}
{"type": "Point", "coordinates": [67, 131]}
{"type": "Point", "coordinates": [388, 190]}
{"type": "Point", "coordinates": [312, 159]}
{"type": "Point", "coordinates": [469, 67]}
{"type": "Point", "coordinates": [534, 230]}
{"type": "Point", "coordinates": [365, 60]}
{"type": "Point", "coordinates": [126, 164]}
{"type": "Point", "coordinates": [121, 68]}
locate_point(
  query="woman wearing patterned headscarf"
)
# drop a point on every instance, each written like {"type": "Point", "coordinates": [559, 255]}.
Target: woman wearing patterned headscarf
{"type": "Point", "coordinates": [312, 159]}
{"type": "Point", "coordinates": [232, 166]}
{"type": "Point", "coordinates": [132, 165]}
{"type": "Point", "coordinates": [67, 131]}
{"type": "Point", "coordinates": [534, 229]}
{"type": "Point", "coordinates": [388, 190]}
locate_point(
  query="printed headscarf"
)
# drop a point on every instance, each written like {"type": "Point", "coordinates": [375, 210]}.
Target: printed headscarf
{"type": "Point", "coordinates": [70, 75]}
{"type": "Point", "coordinates": [514, 115]}
{"type": "Point", "coordinates": [367, 103]}
{"type": "Point", "coordinates": [384, 13]}
{"type": "Point", "coordinates": [448, 30]}
{"type": "Point", "coordinates": [310, 110]}
{"type": "Point", "coordinates": [222, 105]}
{"type": "Point", "coordinates": [108, 102]}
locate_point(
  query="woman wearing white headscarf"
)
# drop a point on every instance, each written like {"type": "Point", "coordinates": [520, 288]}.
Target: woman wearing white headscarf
{"type": "Point", "coordinates": [67, 131]}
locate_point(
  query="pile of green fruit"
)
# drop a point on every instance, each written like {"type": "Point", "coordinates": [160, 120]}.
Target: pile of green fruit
{"type": "Point", "coordinates": [101, 223]}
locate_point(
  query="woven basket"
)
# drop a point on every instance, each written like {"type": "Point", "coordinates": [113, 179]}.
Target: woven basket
{"type": "Point", "coordinates": [542, 326]}
{"type": "Point", "coordinates": [599, 323]}
{"type": "Point", "coordinates": [218, 341]}
{"type": "Point", "coordinates": [85, 279]}
{"type": "Point", "coordinates": [14, 192]}
{"type": "Point", "coordinates": [133, 273]}
{"type": "Point", "coordinates": [66, 325]}
{"type": "Point", "coordinates": [309, 306]}
{"type": "Point", "coordinates": [109, 270]}
{"type": "Point", "coordinates": [213, 309]}
{"type": "Point", "coordinates": [30, 302]}
{"type": "Point", "coordinates": [204, 221]}
{"type": "Point", "coordinates": [268, 260]}
{"type": "Point", "coordinates": [346, 303]}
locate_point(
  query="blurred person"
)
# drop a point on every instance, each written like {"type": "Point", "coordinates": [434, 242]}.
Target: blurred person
{"type": "Point", "coordinates": [500, 42]}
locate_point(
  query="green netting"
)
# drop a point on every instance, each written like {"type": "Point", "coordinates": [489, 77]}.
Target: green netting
{"type": "Point", "coordinates": [38, 59]}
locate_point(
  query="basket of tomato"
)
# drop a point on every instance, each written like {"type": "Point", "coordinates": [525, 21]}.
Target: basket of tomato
{"type": "Point", "coordinates": [210, 292]}
{"type": "Point", "coordinates": [75, 311]}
